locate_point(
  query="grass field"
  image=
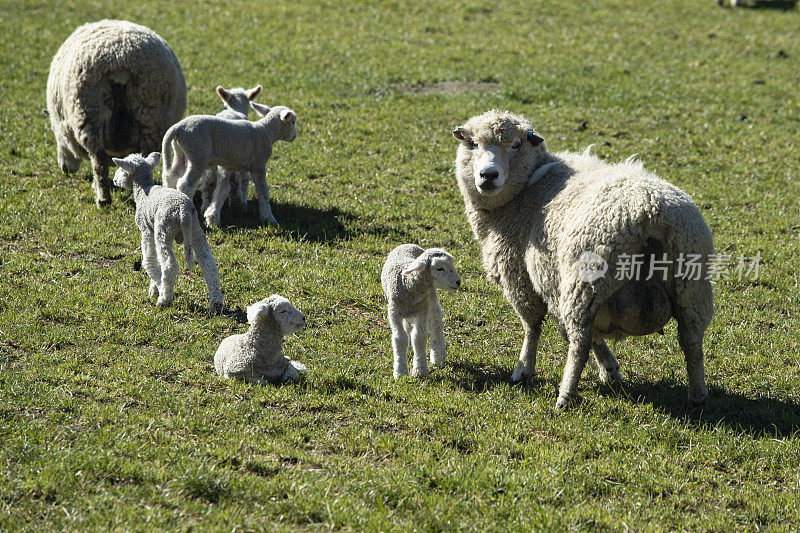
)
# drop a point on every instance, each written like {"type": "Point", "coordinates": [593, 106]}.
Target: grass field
{"type": "Point", "coordinates": [111, 415]}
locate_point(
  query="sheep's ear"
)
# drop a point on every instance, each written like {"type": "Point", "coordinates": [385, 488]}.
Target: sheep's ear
{"type": "Point", "coordinates": [534, 138]}
{"type": "Point", "coordinates": [261, 109]}
{"type": "Point", "coordinates": [287, 115]}
{"type": "Point", "coordinates": [223, 93]}
{"type": "Point", "coordinates": [460, 133]}
{"type": "Point", "coordinates": [255, 91]}
{"type": "Point", "coordinates": [256, 310]}
{"type": "Point", "coordinates": [153, 159]}
{"type": "Point", "coordinates": [124, 164]}
{"type": "Point", "coordinates": [417, 265]}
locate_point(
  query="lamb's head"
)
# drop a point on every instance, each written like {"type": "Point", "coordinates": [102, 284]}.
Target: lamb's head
{"type": "Point", "coordinates": [282, 119]}
{"type": "Point", "coordinates": [135, 168]}
{"type": "Point", "coordinates": [497, 154]}
{"type": "Point", "coordinates": [441, 266]}
{"type": "Point", "coordinates": [277, 308]}
{"type": "Point", "coordinates": [238, 99]}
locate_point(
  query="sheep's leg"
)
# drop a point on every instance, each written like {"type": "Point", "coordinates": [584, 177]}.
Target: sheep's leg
{"type": "Point", "coordinates": [191, 178]}
{"type": "Point", "coordinates": [209, 184]}
{"type": "Point", "coordinates": [607, 364]}
{"type": "Point", "coordinates": [436, 330]}
{"type": "Point", "coordinates": [580, 340]}
{"type": "Point", "coordinates": [419, 341]}
{"type": "Point", "coordinates": [221, 191]}
{"type": "Point", "coordinates": [690, 338]}
{"type": "Point", "coordinates": [399, 343]}
{"type": "Point", "coordinates": [169, 266]}
{"type": "Point", "coordinates": [208, 265]}
{"type": "Point", "coordinates": [102, 195]}
{"type": "Point", "coordinates": [150, 263]}
{"type": "Point", "coordinates": [262, 190]}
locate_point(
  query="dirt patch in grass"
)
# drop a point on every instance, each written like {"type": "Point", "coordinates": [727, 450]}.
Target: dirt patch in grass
{"type": "Point", "coordinates": [447, 88]}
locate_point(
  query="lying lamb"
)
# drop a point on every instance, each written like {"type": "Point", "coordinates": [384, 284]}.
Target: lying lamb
{"type": "Point", "coordinates": [220, 182]}
{"type": "Point", "coordinates": [536, 214]}
{"type": "Point", "coordinates": [114, 88]}
{"type": "Point", "coordinates": [410, 278]}
{"type": "Point", "coordinates": [257, 356]}
{"type": "Point", "coordinates": [162, 215]}
{"type": "Point", "coordinates": [204, 140]}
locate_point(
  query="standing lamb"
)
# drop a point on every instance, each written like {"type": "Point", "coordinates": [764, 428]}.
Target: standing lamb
{"type": "Point", "coordinates": [163, 214]}
{"type": "Point", "coordinates": [257, 355]}
{"type": "Point", "coordinates": [410, 278]}
{"type": "Point", "coordinates": [221, 184]}
{"type": "Point", "coordinates": [204, 140]}
{"type": "Point", "coordinates": [114, 88]}
{"type": "Point", "coordinates": [543, 218]}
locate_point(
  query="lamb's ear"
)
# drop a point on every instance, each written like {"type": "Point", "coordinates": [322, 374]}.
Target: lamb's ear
{"type": "Point", "coordinates": [417, 265]}
{"type": "Point", "coordinates": [125, 165]}
{"type": "Point", "coordinates": [255, 91]}
{"type": "Point", "coordinates": [223, 93]}
{"type": "Point", "coordinates": [153, 159]}
{"type": "Point", "coordinates": [534, 138]}
{"type": "Point", "coordinates": [261, 109]}
{"type": "Point", "coordinates": [287, 115]}
{"type": "Point", "coordinates": [256, 310]}
{"type": "Point", "coordinates": [460, 133]}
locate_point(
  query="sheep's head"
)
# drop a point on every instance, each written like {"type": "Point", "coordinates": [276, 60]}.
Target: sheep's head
{"type": "Point", "coordinates": [284, 126]}
{"type": "Point", "coordinates": [135, 168]}
{"type": "Point", "coordinates": [441, 266]}
{"type": "Point", "coordinates": [497, 153]}
{"type": "Point", "coordinates": [287, 316]}
{"type": "Point", "coordinates": [238, 99]}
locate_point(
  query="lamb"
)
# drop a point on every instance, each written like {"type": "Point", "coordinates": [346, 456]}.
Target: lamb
{"type": "Point", "coordinates": [162, 215]}
{"type": "Point", "coordinates": [410, 277]}
{"type": "Point", "coordinates": [538, 216]}
{"type": "Point", "coordinates": [114, 88]}
{"type": "Point", "coordinates": [219, 182]}
{"type": "Point", "coordinates": [203, 140]}
{"type": "Point", "coordinates": [256, 356]}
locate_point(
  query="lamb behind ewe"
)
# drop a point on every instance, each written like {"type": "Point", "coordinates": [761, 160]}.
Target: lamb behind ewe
{"type": "Point", "coordinates": [537, 214]}
{"type": "Point", "coordinates": [410, 277]}
{"type": "Point", "coordinates": [203, 140]}
{"type": "Point", "coordinates": [162, 215]}
{"type": "Point", "coordinates": [257, 355]}
{"type": "Point", "coordinates": [221, 184]}
{"type": "Point", "coordinates": [114, 88]}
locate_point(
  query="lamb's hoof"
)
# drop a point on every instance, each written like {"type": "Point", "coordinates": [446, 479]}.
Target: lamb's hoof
{"type": "Point", "coordinates": [103, 200]}
{"type": "Point", "coordinates": [437, 360]}
{"type": "Point", "coordinates": [153, 291]}
{"type": "Point", "coordinates": [270, 220]}
{"type": "Point", "coordinates": [608, 377]}
{"type": "Point", "coordinates": [294, 372]}
{"type": "Point", "coordinates": [399, 374]}
{"type": "Point", "coordinates": [566, 402]}
{"type": "Point", "coordinates": [215, 308]}
{"type": "Point", "coordinates": [698, 399]}
{"type": "Point", "coordinates": [212, 221]}
{"type": "Point", "coordinates": [419, 373]}
{"type": "Point", "coordinates": [163, 301]}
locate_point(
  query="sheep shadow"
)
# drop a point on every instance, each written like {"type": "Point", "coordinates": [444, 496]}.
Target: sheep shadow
{"type": "Point", "coordinates": [480, 378]}
{"type": "Point", "coordinates": [780, 5]}
{"type": "Point", "coordinates": [760, 417]}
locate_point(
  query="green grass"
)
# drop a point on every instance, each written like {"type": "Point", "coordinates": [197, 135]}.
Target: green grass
{"type": "Point", "coordinates": [111, 415]}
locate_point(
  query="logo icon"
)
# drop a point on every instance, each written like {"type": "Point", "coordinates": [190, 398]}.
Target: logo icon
{"type": "Point", "coordinates": [591, 267]}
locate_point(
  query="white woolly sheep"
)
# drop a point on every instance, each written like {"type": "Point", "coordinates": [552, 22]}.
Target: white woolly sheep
{"type": "Point", "coordinates": [257, 355]}
{"type": "Point", "coordinates": [203, 140]}
{"type": "Point", "coordinates": [537, 215]}
{"type": "Point", "coordinates": [162, 216]}
{"type": "Point", "coordinates": [114, 88]}
{"type": "Point", "coordinates": [219, 182]}
{"type": "Point", "coordinates": [410, 277]}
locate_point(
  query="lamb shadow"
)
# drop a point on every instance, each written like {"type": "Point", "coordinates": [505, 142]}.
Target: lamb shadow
{"type": "Point", "coordinates": [781, 5]}
{"type": "Point", "coordinates": [761, 417]}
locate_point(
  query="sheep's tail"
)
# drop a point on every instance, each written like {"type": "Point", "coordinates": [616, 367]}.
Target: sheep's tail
{"type": "Point", "coordinates": [195, 241]}
{"type": "Point", "coordinates": [166, 154]}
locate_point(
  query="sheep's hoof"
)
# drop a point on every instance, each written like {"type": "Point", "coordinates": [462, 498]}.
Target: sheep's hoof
{"type": "Point", "coordinates": [212, 221]}
{"type": "Point", "coordinates": [611, 377]}
{"type": "Point", "coordinates": [103, 200]}
{"type": "Point", "coordinates": [437, 360]}
{"type": "Point", "coordinates": [272, 221]}
{"type": "Point", "coordinates": [699, 398]}
{"type": "Point", "coordinates": [521, 375]}
{"type": "Point", "coordinates": [215, 308]}
{"type": "Point", "coordinates": [565, 403]}
{"type": "Point", "coordinates": [164, 301]}
{"type": "Point", "coordinates": [153, 292]}
{"type": "Point", "coordinates": [419, 373]}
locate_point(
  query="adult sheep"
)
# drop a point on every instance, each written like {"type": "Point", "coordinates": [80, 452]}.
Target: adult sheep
{"type": "Point", "coordinates": [538, 214]}
{"type": "Point", "coordinates": [114, 88]}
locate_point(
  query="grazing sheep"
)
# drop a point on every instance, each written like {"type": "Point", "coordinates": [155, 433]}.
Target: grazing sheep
{"type": "Point", "coordinates": [162, 215]}
{"type": "Point", "coordinates": [220, 182]}
{"type": "Point", "coordinates": [410, 278]}
{"type": "Point", "coordinates": [114, 88]}
{"type": "Point", "coordinates": [203, 140]}
{"type": "Point", "coordinates": [256, 356]}
{"type": "Point", "coordinates": [537, 215]}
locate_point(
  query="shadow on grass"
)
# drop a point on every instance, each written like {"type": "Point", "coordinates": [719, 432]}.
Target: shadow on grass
{"type": "Point", "coordinates": [761, 417]}
{"type": "Point", "coordinates": [480, 378]}
{"type": "Point", "coordinates": [782, 5]}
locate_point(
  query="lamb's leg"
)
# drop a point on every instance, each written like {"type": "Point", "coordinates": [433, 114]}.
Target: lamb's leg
{"type": "Point", "coordinates": [436, 330]}
{"type": "Point", "coordinates": [240, 182]}
{"type": "Point", "coordinates": [170, 179]}
{"type": "Point", "coordinates": [102, 195]}
{"type": "Point", "coordinates": [399, 343]}
{"type": "Point", "coordinates": [209, 184]}
{"type": "Point", "coordinates": [262, 190]}
{"type": "Point", "coordinates": [208, 265]}
{"type": "Point", "coordinates": [607, 364]}
{"type": "Point", "coordinates": [221, 191]}
{"type": "Point", "coordinates": [191, 178]}
{"type": "Point", "coordinates": [169, 265]}
{"type": "Point", "coordinates": [150, 263]}
{"type": "Point", "coordinates": [580, 338]}
{"type": "Point", "coordinates": [419, 341]}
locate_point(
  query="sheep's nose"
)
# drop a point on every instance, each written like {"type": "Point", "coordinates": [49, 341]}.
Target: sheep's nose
{"type": "Point", "coordinates": [458, 283]}
{"type": "Point", "coordinates": [489, 174]}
